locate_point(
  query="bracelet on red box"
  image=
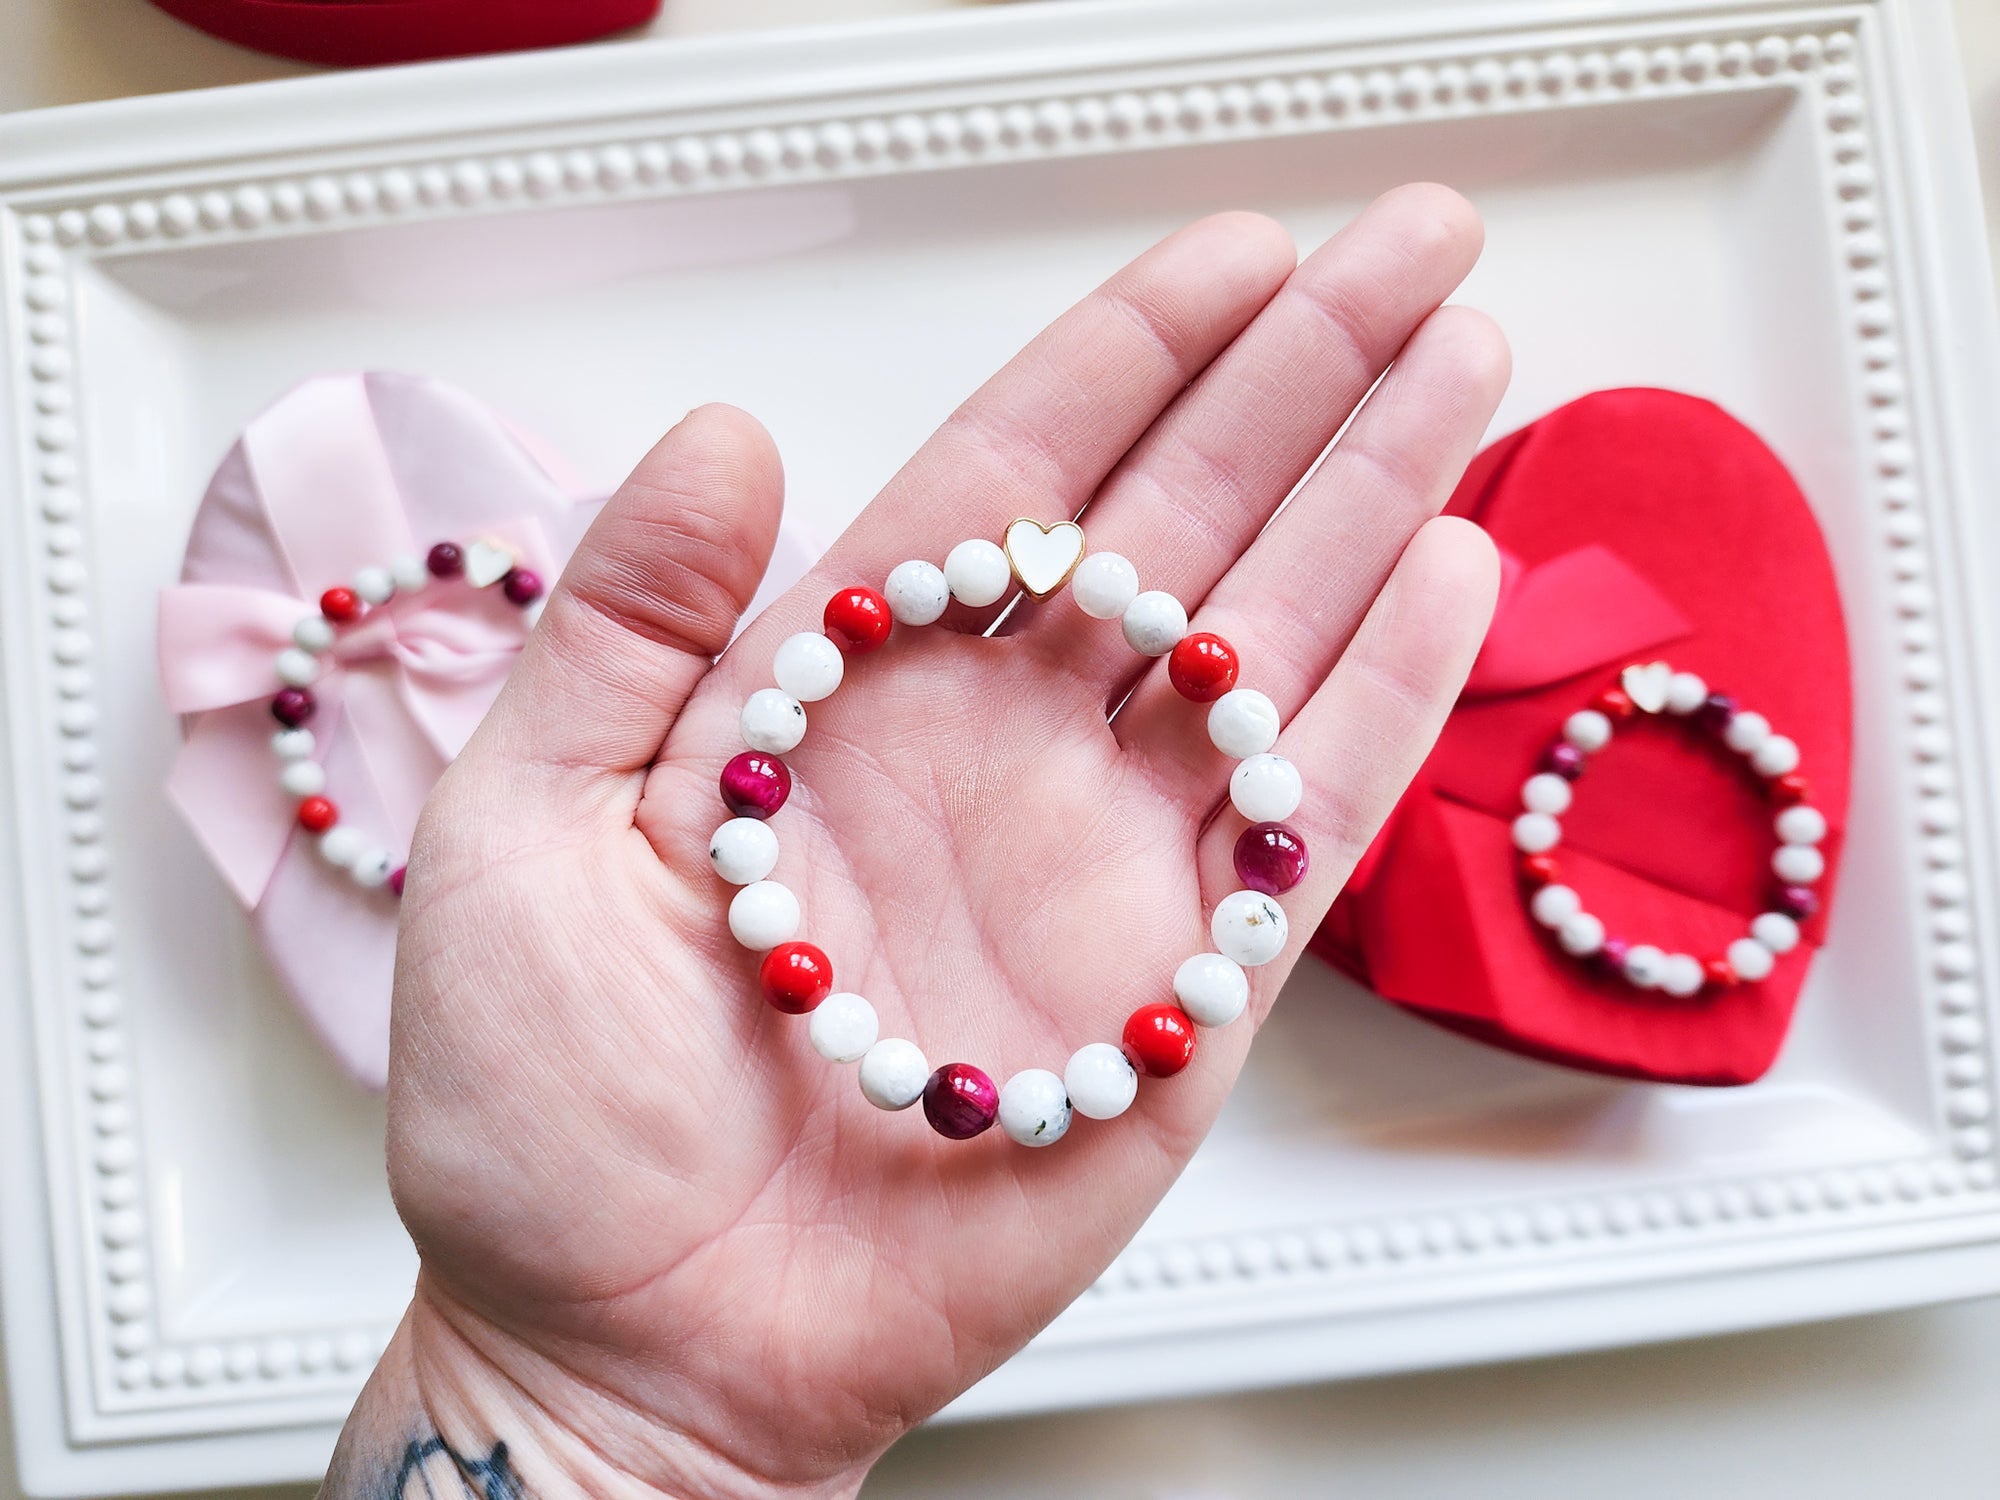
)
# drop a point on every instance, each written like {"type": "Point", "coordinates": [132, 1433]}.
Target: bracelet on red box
{"type": "Point", "coordinates": [1655, 690]}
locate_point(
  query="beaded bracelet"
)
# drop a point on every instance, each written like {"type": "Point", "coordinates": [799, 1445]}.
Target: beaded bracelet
{"type": "Point", "coordinates": [1248, 927]}
{"type": "Point", "coordinates": [1655, 689]}
{"type": "Point", "coordinates": [483, 564]}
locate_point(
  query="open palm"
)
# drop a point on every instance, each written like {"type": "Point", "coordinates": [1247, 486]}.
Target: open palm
{"type": "Point", "coordinates": [676, 1243]}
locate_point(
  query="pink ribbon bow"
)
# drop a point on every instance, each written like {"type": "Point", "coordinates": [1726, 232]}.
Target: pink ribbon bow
{"type": "Point", "coordinates": [404, 689]}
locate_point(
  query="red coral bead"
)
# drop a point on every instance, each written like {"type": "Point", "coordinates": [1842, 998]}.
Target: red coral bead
{"type": "Point", "coordinates": [1540, 869]}
{"type": "Point", "coordinates": [795, 977]}
{"type": "Point", "coordinates": [1790, 791]}
{"type": "Point", "coordinates": [1614, 703]}
{"type": "Point", "coordinates": [1159, 1039]}
{"type": "Point", "coordinates": [1202, 667]}
{"type": "Point", "coordinates": [317, 814]}
{"type": "Point", "coordinates": [1718, 973]}
{"type": "Point", "coordinates": [340, 605]}
{"type": "Point", "coordinates": [858, 620]}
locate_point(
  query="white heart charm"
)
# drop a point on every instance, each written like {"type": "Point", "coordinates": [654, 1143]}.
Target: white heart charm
{"type": "Point", "coordinates": [487, 562]}
{"type": "Point", "coordinates": [1043, 556]}
{"type": "Point", "coordinates": [1647, 686]}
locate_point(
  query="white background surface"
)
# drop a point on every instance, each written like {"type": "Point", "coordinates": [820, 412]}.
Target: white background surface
{"type": "Point", "coordinates": [1906, 1403]}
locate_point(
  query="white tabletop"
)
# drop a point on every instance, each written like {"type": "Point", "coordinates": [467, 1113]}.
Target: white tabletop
{"type": "Point", "coordinates": [1905, 1403]}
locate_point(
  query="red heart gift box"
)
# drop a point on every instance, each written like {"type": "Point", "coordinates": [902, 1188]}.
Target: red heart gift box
{"type": "Point", "coordinates": [353, 32]}
{"type": "Point", "coordinates": [1634, 525]}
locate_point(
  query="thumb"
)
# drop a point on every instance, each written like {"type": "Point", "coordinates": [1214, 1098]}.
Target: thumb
{"type": "Point", "coordinates": [647, 601]}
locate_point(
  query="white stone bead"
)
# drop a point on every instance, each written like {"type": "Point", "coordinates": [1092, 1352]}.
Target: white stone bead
{"type": "Point", "coordinates": [1588, 730]}
{"type": "Point", "coordinates": [1777, 756]}
{"type": "Point", "coordinates": [1249, 927]}
{"type": "Point", "coordinates": [1581, 936]}
{"type": "Point", "coordinates": [1682, 975]}
{"type": "Point", "coordinates": [977, 572]}
{"type": "Point", "coordinates": [1035, 1108]}
{"type": "Point", "coordinates": [371, 868]}
{"type": "Point", "coordinates": [303, 778]}
{"type": "Point", "coordinates": [1536, 833]}
{"type": "Point", "coordinates": [1750, 959]}
{"type": "Point", "coordinates": [1798, 864]}
{"type": "Point", "coordinates": [1746, 732]}
{"type": "Point", "coordinates": [1554, 905]}
{"type": "Point", "coordinates": [763, 915]}
{"type": "Point", "coordinates": [1546, 793]}
{"type": "Point", "coordinates": [1803, 824]}
{"type": "Point", "coordinates": [917, 592]}
{"type": "Point", "coordinates": [341, 845]}
{"type": "Point", "coordinates": [1100, 1081]}
{"type": "Point", "coordinates": [1775, 931]}
{"type": "Point", "coordinates": [1243, 722]}
{"type": "Point", "coordinates": [1213, 990]}
{"type": "Point", "coordinates": [531, 612]}
{"type": "Point", "coordinates": [773, 721]}
{"type": "Point", "coordinates": [843, 1027]}
{"type": "Point", "coordinates": [1266, 788]}
{"type": "Point", "coordinates": [1155, 621]}
{"type": "Point", "coordinates": [375, 585]}
{"type": "Point", "coordinates": [1685, 693]}
{"type": "Point", "coordinates": [893, 1073]}
{"type": "Point", "coordinates": [293, 744]}
{"type": "Point", "coordinates": [409, 572]}
{"type": "Point", "coordinates": [1645, 966]}
{"type": "Point", "coordinates": [314, 633]}
{"type": "Point", "coordinates": [1104, 585]}
{"type": "Point", "coordinates": [808, 666]}
{"type": "Point", "coordinates": [743, 850]}
{"type": "Point", "coordinates": [296, 667]}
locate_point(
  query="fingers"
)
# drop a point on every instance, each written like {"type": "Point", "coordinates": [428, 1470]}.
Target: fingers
{"type": "Point", "coordinates": [1363, 735]}
{"type": "Point", "coordinates": [1294, 600]}
{"type": "Point", "coordinates": [645, 604]}
{"type": "Point", "coordinates": [1038, 438]}
{"type": "Point", "coordinates": [1200, 485]}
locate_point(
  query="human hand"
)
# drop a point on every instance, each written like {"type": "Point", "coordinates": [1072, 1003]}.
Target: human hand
{"type": "Point", "coordinates": [668, 1250]}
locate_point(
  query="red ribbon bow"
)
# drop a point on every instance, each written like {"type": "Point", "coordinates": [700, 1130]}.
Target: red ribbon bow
{"type": "Point", "coordinates": [1557, 620]}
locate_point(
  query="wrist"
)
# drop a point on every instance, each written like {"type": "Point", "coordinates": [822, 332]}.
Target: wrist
{"type": "Point", "coordinates": [451, 1410]}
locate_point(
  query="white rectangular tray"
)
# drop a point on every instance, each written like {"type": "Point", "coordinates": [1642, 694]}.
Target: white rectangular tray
{"type": "Point", "coordinates": [1772, 206]}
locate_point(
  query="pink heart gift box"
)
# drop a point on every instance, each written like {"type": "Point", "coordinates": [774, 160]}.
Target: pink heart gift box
{"type": "Point", "coordinates": [346, 472]}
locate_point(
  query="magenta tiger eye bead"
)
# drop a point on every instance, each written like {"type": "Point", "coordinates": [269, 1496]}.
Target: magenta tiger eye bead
{"type": "Point", "coordinates": [1798, 901]}
{"type": "Point", "coordinates": [755, 785]}
{"type": "Point", "coordinates": [1564, 759]}
{"type": "Point", "coordinates": [960, 1101]}
{"type": "Point", "coordinates": [1271, 858]}
{"type": "Point", "coordinates": [292, 706]}
{"type": "Point", "coordinates": [1716, 710]}
{"type": "Point", "coordinates": [521, 586]}
{"type": "Point", "coordinates": [445, 560]}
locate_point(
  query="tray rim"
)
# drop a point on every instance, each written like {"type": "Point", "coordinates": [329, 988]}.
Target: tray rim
{"type": "Point", "coordinates": [72, 180]}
